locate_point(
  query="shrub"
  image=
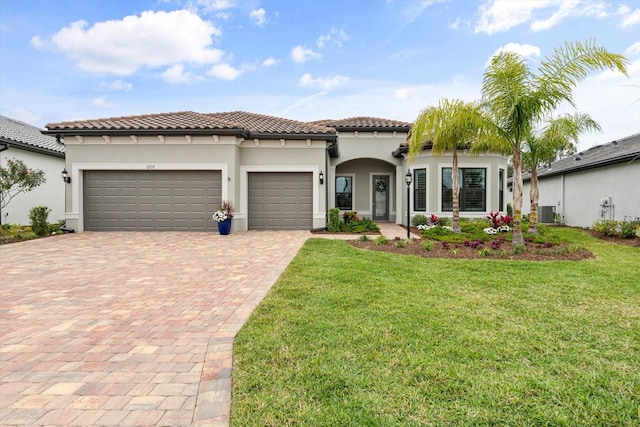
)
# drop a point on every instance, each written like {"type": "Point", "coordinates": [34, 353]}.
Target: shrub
{"type": "Point", "coordinates": [401, 243]}
{"type": "Point", "coordinates": [38, 216]}
{"type": "Point", "coordinates": [608, 227]}
{"type": "Point", "coordinates": [350, 216]}
{"type": "Point", "coordinates": [381, 240]}
{"type": "Point", "coordinates": [419, 220]}
{"type": "Point", "coordinates": [628, 228]}
{"type": "Point", "coordinates": [364, 238]}
{"type": "Point", "coordinates": [518, 249]}
{"type": "Point", "coordinates": [484, 252]}
{"type": "Point", "coordinates": [334, 220]}
{"type": "Point", "coordinates": [509, 210]}
{"type": "Point", "coordinates": [427, 245]}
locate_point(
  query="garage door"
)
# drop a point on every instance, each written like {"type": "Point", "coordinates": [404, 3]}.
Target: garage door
{"type": "Point", "coordinates": [150, 200]}
{"type": "Point", "coordinates": [280, 201]}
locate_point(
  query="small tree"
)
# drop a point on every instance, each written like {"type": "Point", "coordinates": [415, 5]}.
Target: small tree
{"type": "Point", "coordinates": [17, 178]}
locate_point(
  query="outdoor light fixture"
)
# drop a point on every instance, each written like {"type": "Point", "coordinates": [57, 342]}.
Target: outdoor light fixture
{"type": "Point", "coordinates": [65, 176]}
{"type": "Point", "coordinates": [321, 176]}
{"type": "Point", "coordinates": [407, 179]}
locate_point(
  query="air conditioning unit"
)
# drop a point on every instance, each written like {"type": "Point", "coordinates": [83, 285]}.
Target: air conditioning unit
{"type": "Point", "coordinates": [546, 214]}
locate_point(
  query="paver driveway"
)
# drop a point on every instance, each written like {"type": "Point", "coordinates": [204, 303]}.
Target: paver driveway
{"type": "Point", "coordinates": [129, 328]}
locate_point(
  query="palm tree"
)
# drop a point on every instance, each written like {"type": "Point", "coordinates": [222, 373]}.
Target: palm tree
{"type": "Point", "coordinates": [451, 125]}
{"type": "Point", "coordinates": [559, 134]}
{"type": "Point", "coordinates": [517, 99]}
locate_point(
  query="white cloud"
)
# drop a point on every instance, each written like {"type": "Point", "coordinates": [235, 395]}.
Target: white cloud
{"type": "Point", "coordinates": [101, 103]}
{"type": "Point", "coordinates": [225, 71]}
{"type": "Point", "coordinates": [335, 37]}
{"type": "Point", "coordinates": [415, 8]}
{"type": "Point", "coordinates": [456, 24]}
{"type": "Point", "coordinates": [402, 93]}
{"type": "Point", "coordinates": [325, 83]}
{"type": "Point", "coordinates": [300, 54]}
{"type": "Point", "coordinates": [210, 5]}
{"type": "Point", "coordinates": [525, 50]}
{"type": "Point", "coordinates": [633, 50]}
{"type": "Point", "coordinates": [153, 39]}
{"type": "Point", "coordinates": [37, 42]}
{"type": "Point", "coordinates": [499, 15]}
{"type": "Point", "coordinates": [258, 16]}
{"type": "Point", "coordinates": [117, 85]}
{"type": "Point", "coordinates": [270, 62]}
{"type": "Point", "coordinates": [631, 19]}
{"type": "Point", "coordinates": [176, 75]}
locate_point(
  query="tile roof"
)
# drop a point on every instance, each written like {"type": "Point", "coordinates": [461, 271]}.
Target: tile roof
{"type": "Point", "coordinates": [622, 150]}
{"type": "Point", "coordinates": [182, 120]}
{"type": "Point", "coordinates": [240, 121]}
{"type": "Point", "coordinates": [260, 123]}
{"type": "Point", "coordinates": [23, 134]}
{"type": "Point", "coordinates": [364, 123]}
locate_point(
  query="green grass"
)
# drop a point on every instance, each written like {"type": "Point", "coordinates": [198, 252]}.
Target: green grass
{"type": "Point", "coordinates": [354, 337]}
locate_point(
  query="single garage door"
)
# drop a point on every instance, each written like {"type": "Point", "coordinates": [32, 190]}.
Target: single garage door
{"type": "Point", "coordinates": [151, 200]}
{"type": "Point", "coordinates": [280, 201]}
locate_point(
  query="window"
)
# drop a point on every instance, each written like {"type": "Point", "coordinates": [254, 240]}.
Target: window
{"type": "Point", "coordinates": [473, 189]}
{"type": "Point", "coordinates": [420, 190]}
{"type": "Point", "coordinates": [501, 190]}
{"type": "Point", "coordinates": [344, 193]}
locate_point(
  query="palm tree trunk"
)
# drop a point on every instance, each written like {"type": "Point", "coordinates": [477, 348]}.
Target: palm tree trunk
{"type": "Point", "coordinates": [455, 223]}
{"type": "Point", "coordinates": [534, 195]}
{"type": "Point", "coordinates": [517, 238]}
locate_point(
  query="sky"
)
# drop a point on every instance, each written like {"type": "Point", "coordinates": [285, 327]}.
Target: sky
{"type": "Point", "coordinates": [299, 59]}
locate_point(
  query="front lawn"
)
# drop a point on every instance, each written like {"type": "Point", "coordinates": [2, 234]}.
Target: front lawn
{"type": "Point", "coordinates": [355, 337]}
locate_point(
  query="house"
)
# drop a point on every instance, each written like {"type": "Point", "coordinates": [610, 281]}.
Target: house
{"type": "Point", "coordinates": [22, 141]}
{"type": "Point", "coordinates": [599, 183]}
{"type": "Point", "coordinates": [171, 171]}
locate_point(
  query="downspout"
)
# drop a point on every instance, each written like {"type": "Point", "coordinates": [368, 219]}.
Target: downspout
{"type": "Point", "coordinates": [6, 147]}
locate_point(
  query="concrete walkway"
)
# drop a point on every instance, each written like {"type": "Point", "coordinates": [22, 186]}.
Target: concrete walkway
{"type": "Point", "coordinates": [132, 328]}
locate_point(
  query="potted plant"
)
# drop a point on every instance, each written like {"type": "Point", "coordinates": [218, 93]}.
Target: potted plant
{"type": "Point", "coordinates": [223, 217]}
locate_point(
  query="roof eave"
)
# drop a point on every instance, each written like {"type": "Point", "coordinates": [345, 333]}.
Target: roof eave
{"type": "Point", "coordinates": [372, 128]}
{"type": "Point", "coordinates": [146, 132]}
{"type": "Point", "coordinates": [32, 148]}
{"type": "Point", "coordinates": [549, 173]}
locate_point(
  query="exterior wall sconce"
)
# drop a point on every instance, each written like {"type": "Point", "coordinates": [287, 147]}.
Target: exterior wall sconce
{"type": "Point", "coordinates": [407, 179]}
{"type": "Point", "coordinates": [321, 176]}
{"type": "Point", "coordinates": [65, 176]}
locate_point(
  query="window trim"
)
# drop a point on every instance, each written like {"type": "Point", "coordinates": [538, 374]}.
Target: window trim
{"type": "Point", "coordinates": [416, 189]}
{"type": "Point", "coordinates": [353, 190]}
{"type": "Point", "coordinates": [487, 183]}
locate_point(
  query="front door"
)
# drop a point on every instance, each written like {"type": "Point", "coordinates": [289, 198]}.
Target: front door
{"type": "Point", "coordinates": [380, 198]}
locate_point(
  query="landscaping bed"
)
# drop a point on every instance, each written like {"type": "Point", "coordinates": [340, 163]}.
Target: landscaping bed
{"type": "Point", "coordinates": [529, 252]}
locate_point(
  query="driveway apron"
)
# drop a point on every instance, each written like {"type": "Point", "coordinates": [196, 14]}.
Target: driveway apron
{"type": "Point", "coordinates": [129, 328]}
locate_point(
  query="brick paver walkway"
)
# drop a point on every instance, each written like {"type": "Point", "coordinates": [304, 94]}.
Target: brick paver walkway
{"type": "Point", "coordinates": [129, 328]}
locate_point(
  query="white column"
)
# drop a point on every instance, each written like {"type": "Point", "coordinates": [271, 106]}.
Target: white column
{"type": "Point", "coordinates": [401, 190]}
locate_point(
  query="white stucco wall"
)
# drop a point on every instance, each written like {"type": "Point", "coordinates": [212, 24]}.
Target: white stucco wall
{"type": "Point", "coordinates": [434, 164]}
{"type": "Point", "coordinates": [577, 196]}
{"type": "Point", "coordinates": [50, 194]}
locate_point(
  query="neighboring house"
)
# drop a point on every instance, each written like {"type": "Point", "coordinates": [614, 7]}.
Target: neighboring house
{"type": "Point", "coordinates": [171, 171]}
{"type": "Point", "coordinates": [22, 141]}
{"type": "Point", "coordinates": [601, 182]}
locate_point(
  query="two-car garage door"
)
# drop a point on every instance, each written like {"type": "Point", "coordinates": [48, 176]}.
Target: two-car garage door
{"type": "Point", "coordinates": [185, 200]}
{"type": "Point", "coordinates": [151, 200]}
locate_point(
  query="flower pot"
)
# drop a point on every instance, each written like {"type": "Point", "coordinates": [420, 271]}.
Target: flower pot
{"type": "Point", "coordinates": [224, 227]}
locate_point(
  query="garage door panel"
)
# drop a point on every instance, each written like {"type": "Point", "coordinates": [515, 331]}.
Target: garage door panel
{"type": "Point", "coordinates": [281, 200]}
{"type": "Point", "coordinates": [151, 200]}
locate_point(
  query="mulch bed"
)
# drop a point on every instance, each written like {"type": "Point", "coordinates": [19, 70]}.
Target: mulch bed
{"type": "Point", "coordinates": [531, 251]}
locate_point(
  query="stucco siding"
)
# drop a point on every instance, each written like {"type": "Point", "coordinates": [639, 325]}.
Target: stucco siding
{"type": "Point", "coordinates": [50, 194]}
{"type": "Point", "coordinates": [369, 146]}
{"type": "Point", "coordinates": [434, 165]}
{"type": "Point", "coordinates": [577, 196]}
